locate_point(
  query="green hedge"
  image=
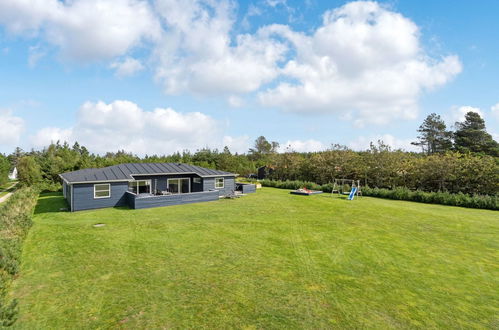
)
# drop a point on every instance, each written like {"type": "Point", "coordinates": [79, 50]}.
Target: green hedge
{"type": "Point", "coordinates": [15, 220]}
{"type": "Point", "coordinates": [445, 198]}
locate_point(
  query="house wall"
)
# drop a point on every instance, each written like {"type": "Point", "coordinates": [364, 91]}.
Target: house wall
{"type": "Point", "coordinates": [66, 188]}
{"type": "Point", "coordinates": [246, 188]}
{"type": "Point", "coordinates": [168, 200]}
{"type": "Point", "coordinates": [83, 198]}
{"type": "Point", "coordinates": [229, 185]}
{"type": "Point", "coordinates": [159, 182]}
{"type": "Point", "coordinates": [83, 194]}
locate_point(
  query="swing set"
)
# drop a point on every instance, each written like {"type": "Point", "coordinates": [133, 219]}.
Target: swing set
{"type": "Point", "coordinates": [347, 187]}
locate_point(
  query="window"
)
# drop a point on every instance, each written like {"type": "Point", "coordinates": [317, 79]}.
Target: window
{"type": "Point", "coordinates": [196, 180]}
{"type": "Point", "coordinates": [102, 190]}
{"type": "Point", "coordinates": [140, 187]}
{"type": "Point", "coordinates": [179, 186]}
{"type": "Point", "coordinates": [219, 183]}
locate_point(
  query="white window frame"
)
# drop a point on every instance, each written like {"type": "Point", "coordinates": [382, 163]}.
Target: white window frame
{"type": "Point", "coordinates": [223, 183]}
{"type": "Point", "coordinates": [136, 182]}
{"type": "Point", "coordinates": [102, 184]}
{"type": "Point", "coordinates": [171, 179]}
{"type": "Point", "coordinates": [196, 180]}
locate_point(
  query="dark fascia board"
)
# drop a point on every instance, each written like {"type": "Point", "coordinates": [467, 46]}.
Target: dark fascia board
{"type": "Point", "coordinates": [182, 173]}
{"type": "Point", "coordinates": [146, 174]}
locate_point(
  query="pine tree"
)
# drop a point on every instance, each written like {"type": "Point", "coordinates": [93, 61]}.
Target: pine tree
{"type": "Point", "coordinates": [471, 136]}
{"type": "Point", "coordinates": [433, 135]}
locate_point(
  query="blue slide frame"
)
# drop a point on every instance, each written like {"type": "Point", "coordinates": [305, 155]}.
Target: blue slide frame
{"type": "Point", "coordinates": [352, 194]}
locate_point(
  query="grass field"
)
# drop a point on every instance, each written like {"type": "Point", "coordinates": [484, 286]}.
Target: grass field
{"type": "Point", "coordinates": [268, 260]}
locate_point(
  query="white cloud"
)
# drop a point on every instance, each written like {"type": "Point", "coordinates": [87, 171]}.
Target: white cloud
{"type": "Point", "coordinates": [239, 144]}
{"type": "Point", "coordinates": [363, 143]}
{"type": "Point", "coordinates": [127, 67]}
{"type": "Point", "coordinates": [49, 135]}
{"type": "Point", "coordinates": [458, 113]}
{"type": "Point", "coordinates": [235, 101]}
{"type": "Point", "coordinates": [103, 127]}
{"type": "Point", "coordinates": [302, 146]}
{"type": "Point", "coordinates": [274, 3]}
{"type": "Point", "coordinates": [197, 53]}
{"type": "Point", "coordinates": [365, 61]}
{"type": "Point", "coordinates": [83, 29]}
{"type": "Point", "coordinates": [364, 58]}
{"type": "Point", "coordinates": [495, 111]}
{"type": "Point", "coordinates": [11, 128]}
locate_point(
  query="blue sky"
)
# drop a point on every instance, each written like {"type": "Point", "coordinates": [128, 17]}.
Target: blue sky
{"type": "Point", "coordinates": [166, 75]}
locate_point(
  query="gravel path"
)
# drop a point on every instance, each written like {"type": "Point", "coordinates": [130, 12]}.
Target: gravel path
{"type": "Point", "coordinates": [5, 197]}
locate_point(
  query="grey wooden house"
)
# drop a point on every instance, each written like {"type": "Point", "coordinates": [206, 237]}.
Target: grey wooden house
{"type": "Point", "coordinates": [142, 185]}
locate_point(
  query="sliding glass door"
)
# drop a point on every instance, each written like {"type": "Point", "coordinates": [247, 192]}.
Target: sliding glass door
{"type": "Point", "coordinates": [140, 186]}
{"type": "Point", "coordinates": [179, 186]}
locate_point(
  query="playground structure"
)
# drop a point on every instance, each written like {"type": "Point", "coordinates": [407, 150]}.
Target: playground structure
{"type": "Point", "coordinates": [347, 187]}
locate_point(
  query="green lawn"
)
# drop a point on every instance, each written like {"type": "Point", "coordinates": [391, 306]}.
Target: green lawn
{"type": "Point", "coordinates": [268, 260]}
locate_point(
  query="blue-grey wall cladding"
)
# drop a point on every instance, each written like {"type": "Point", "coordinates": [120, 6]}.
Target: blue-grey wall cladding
{"type": "Point", "coordinates": [168, 200]}
{"type": "Point", "coordinates": [159, 182]}
{"type": "Point", "coordinates": [246, 188]}
{"type": "Point", "coordinates": [229, 185]}
{"type": "Point", "coordinates": [83, 196]}
{"type": "Point", "coordinates": [67, 191]}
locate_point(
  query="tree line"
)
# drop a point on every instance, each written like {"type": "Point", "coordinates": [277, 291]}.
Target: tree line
{"type": "Point", "coordinates": [462, 161]}
{"type": "Point", "coordinates": [470, 136]}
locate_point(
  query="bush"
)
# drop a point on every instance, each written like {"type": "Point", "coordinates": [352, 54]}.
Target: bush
{"type": "Point", "coordinates": [15, 221]}
{"type": "Point", "coordinates": [47, 186]}
{"type": "Point", "coordinates": [399, 193]}
{"type": "Point", "coordinates": [445, 198]}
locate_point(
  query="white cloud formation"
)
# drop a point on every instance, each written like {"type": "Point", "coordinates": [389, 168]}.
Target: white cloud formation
{"type": "Point", "coordinates": [127, 67]}
{"type": "Point", "coordinates": [197, 53]}
{"type": "Point", "coordinates": [302, 146]}
{"type": "Point", "coordinates": [495, 111]}
{"type": "Point", "coordinates": [458, 113]}
{"type": "Point", "coordinates": [365, 62]}
{"type": "Point", "coordinates": [363, 142]}
{"type": "Point", "coordinates": [48, 135]}
{"type": "Point", "coordinates": [239, 144]}
{"type": "Point", "coordinates": [103, 127]}
{"type": "Point", "coordinates": [83, 29]}
{"type": "Point", "coordinates": [365, 59]}
{"type": "Point", "coordinates": [11, 128]}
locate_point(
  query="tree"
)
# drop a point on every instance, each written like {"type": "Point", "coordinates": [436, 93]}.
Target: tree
{"type": "Point", "coordinates": [433, 135]}
{"type": "Point", "coordinates": [29, 172]}
{"type": "Point", "coordinates": [263, 148]}
{"type": "Point", "coordinates": [471, 136]}
{"type": "Point", "coordinates": [4, 169]}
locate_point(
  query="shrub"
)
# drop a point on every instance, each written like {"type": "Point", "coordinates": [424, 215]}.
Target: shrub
{"type": "Point", "coordinates": [15, 221]}
{"type": "Point", "coordinates": [400, 193]}
{"type": "Point", "coordinates": [445, 198]}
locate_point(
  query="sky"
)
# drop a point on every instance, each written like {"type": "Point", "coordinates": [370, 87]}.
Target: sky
{"type": "Point", "coordinates": [159, 76]}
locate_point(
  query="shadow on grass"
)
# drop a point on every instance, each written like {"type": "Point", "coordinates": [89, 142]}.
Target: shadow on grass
{"type": "Point", "coordinates": [51, 202]}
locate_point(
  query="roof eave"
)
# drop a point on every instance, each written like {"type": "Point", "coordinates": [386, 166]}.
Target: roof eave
{"type": "Point", "coordinates": [98, 181]}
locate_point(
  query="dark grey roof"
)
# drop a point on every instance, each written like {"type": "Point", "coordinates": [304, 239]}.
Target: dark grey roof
{"type": "Point", "coordinates": [125, 172]}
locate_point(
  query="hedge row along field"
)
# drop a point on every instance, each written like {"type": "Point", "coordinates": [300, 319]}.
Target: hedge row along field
{"type": "Point", "coordinates": [444, 198]}
{"type": "Point", "coordinates": [15, 220]}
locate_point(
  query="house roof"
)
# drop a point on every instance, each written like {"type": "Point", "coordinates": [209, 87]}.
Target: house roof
{"type": "Point", "coordinates": [126, 172]}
